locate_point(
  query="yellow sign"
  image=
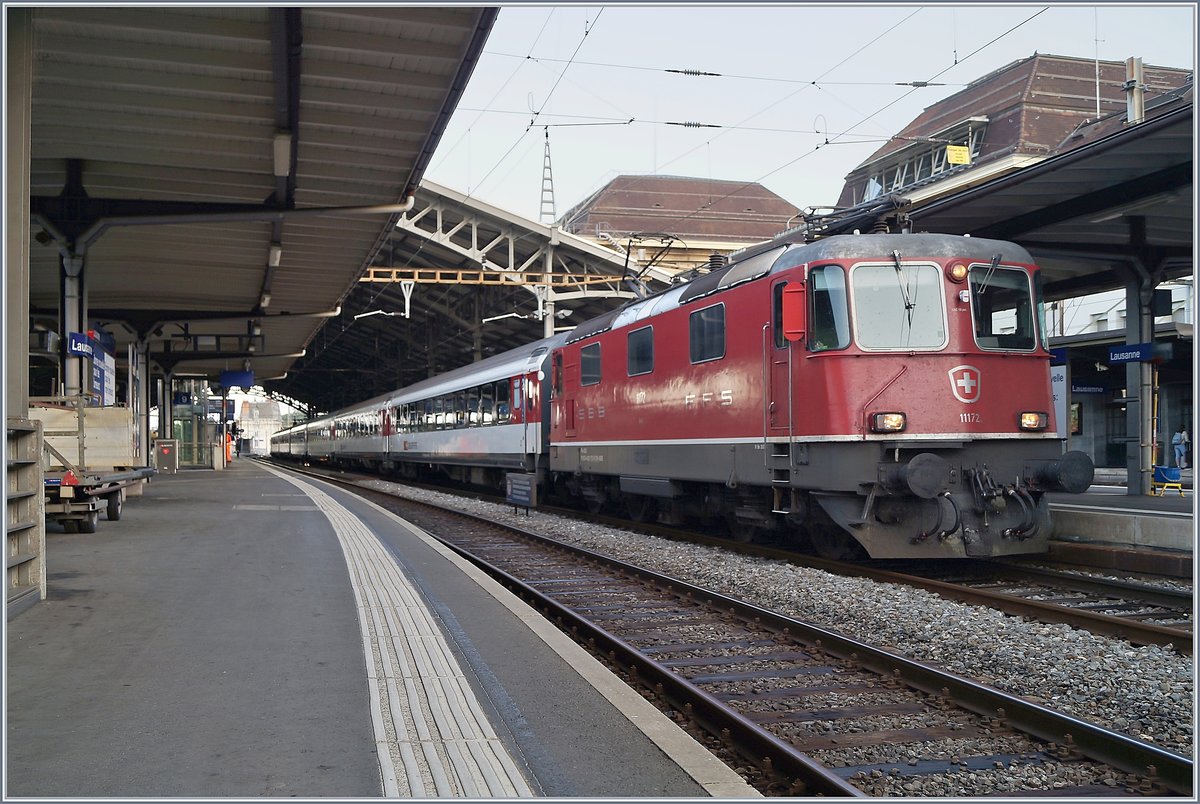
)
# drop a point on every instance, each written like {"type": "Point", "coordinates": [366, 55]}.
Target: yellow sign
{"type": "Point", "coordinates": [958, 154]}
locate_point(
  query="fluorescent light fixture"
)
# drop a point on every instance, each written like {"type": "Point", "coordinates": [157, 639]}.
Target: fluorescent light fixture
{"type": "Point", "coordinates": [264, 300]}
{"type": "Point", "coordinates": [506, 315]}
{"type": "Point", "coordinates": [372, 312]}
{"type": "Point", "coordinates": [283, 153]}
{"type": "Point", "coordinates": [274, 255]}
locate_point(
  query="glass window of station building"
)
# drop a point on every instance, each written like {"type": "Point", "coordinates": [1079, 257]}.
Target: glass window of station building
{"type": "Point", "coordinates": [1086, 330]}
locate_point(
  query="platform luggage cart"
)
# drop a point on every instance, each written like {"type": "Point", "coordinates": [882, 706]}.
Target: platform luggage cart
{"type": "Point", "coordinates": [1165, 477]}
{"type": "Point", "coordinates": [104, 470]}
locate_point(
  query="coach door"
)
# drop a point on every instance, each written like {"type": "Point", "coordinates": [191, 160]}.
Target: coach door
{"type": "Point", "coordinates": [782, 339]}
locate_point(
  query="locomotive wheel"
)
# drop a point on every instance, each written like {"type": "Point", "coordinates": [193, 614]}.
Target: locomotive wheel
{"type": "Point", "coordinates": [835, 544]}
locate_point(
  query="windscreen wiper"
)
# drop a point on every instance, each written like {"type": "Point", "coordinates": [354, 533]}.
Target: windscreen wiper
{"type": "Point", "coordinates": [988, 276]}
{"type": "Point", "coordinates": [909, 304]}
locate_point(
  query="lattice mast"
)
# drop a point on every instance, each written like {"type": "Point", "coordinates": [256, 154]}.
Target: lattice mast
{"type": "Point", "coordinates": [548, 213]}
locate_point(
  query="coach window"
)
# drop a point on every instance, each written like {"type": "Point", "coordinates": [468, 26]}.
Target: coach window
{"type": "Point", "coordinates": [706, 334]}
{"type": "Point", "coordinates": [460, 410]}
{"type": "Point", "coordinates": [441, 406]}
{"type": "Point", "coordinates": [503, 413]}
{"type": "Point", "coordinates": [473, 417]}
{"type": "Point", "coordinates": [556, 382]}
{"type": "Point", "coordinates": [589, 364]}
{"type": "Point", "coordinates": [1002, 306]}
{"type": "Point", "coordinates": [899, 306]}
{"type": "Point", "coordinates": [829, 317]}
{"type": "Point", "coordinates": [640, 351]}
{"type": "Point", "coordinates": [487, 404]}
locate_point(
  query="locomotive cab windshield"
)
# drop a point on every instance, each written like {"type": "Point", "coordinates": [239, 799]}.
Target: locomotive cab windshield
{"type": "Point", "coordinates": [1002, 308]}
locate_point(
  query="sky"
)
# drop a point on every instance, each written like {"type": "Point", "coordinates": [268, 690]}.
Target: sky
{"type": "Point", "coordinates": [802, 93]}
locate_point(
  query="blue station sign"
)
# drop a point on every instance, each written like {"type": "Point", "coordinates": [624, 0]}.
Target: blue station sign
{"type": "Point", "coordinates": [1130, 353]}
{"type": "Point", "coordinates": [79, 344]}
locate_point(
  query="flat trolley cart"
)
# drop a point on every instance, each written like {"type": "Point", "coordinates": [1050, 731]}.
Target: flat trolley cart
{"type": "Point", "coordinates": [75, 497]}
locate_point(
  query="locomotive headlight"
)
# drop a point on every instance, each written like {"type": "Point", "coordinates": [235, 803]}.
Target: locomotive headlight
{"type": "Point", "coordinates": [1034, 421]}
{"type": "Point", "coordinates": [956, 272]}
{"type": "Point", "coordinates": [887, 422]}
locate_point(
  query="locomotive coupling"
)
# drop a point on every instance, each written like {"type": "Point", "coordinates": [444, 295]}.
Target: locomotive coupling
{"type": "Point", "coordinates": [925, 476]}
{"type": "Point", "coordinates": [1072, 473]}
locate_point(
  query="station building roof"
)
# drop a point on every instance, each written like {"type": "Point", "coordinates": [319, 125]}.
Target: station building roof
{"type": "Point", "coordinates": [1010, 118]}
{"type": "Point", "coordinates": [691, 209]}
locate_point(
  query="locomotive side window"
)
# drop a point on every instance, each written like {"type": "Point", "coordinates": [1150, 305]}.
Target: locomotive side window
{"type": "Point", "coordinates": [1002, 308]}
{"type": "Point", "coordinates": [640, 351]}
{"type": "Point", "coordinates": [829, 318]}
{"type": "Point", "coordinates": [777, 314]}
{"type": "Point", "coordinates": [589, 364]}
{"type": "Point", "coordinates": [556, 380]}
{"type": "Point", "coordinates": [899, 307]}
{"type": "Point", "coordinates": [706, 334]}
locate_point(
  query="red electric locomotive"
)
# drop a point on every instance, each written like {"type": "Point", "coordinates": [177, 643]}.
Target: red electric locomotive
{"type": "Point", "coordinates": [886, 394]}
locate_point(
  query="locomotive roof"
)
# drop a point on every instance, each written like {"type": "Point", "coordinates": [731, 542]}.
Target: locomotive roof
{"type": "Point", "coordinates": [881, 246]}
{"type": "Point", "coordinates": [755, 262]}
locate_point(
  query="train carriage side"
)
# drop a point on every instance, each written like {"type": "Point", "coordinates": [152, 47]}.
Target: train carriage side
{"type": "Point", "coordinates": [358, 434]}
{"type": "Point", "coordinates": [477, 422]}
{"type": "Point", "coordinates": [888, 393]}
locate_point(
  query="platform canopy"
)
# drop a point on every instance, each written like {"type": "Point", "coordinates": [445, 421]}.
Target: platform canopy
{"type": "Point", "coordinates": [1123, 194]}
{"type": "Point", "coordinates": [227, 172]}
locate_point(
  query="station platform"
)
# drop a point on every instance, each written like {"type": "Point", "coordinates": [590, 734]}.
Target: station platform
{"type": "Point", "coordinates": [1107, 515]}
{"type": "Point", "coordinates": [240, 633]}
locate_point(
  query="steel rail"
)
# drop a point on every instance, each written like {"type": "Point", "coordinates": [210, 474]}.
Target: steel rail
{"type": "Point", "coordinates": [1171, 770]}
{"type": "Point", "coordinates": [1120, 751]}
{"type": "Point", "coordinates": [750, 739]}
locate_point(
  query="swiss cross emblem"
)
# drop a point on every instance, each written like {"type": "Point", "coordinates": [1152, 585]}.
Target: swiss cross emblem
{"type": "Point", "coordinates": [964, 382]}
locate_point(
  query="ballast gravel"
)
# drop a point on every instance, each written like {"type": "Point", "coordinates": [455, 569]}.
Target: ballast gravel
{"type": "Point", "coordinates": [1146, 692]}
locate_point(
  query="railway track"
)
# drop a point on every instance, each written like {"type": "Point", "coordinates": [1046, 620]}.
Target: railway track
{"type": "Point", "coordinates": [805, 710]}
{"type": "Point", "coordinates": [1140, 613]}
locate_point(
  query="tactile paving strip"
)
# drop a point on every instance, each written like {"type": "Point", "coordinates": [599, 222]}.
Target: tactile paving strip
{"type": "Point", "coordinates": [433, 738]}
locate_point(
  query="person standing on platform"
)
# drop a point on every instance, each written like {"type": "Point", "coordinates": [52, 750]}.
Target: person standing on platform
{"type": "Point", "coordinates": [1181, 443]}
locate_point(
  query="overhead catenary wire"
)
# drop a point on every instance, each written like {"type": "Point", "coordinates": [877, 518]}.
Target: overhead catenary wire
{"type": "Point", "coordinates": [806, 85]}
{"type": "Point", "coordinates": [877, 112]}
{"type": "Point", "coordinates": [698, 73]}
{"type": "Point", "coordinates": [533, 120]}
{"type": "Point", "coordinates": [496, 94]}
